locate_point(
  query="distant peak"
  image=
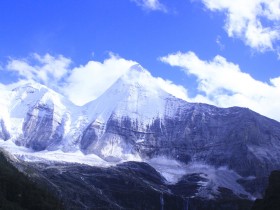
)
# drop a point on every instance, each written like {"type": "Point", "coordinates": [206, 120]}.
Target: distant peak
{"type": "Point", "coordinates": [137, 75]}
{"type": "Point", "coordinates": [33, 88]}
{"type": "Point", "coordinates": [30, 87]}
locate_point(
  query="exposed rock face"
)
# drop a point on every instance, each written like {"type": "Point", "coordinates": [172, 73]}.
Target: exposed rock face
{"type": "Point", "coordinates": [238, 138]}
{"type": "Point", "coordinates": [37, 117]}
{"type": "Point", "coordinates": [4, 134]}
{"type": "Point", "coordinates": [41, 129]}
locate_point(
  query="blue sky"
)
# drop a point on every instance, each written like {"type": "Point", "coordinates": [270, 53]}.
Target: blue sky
{"type": "Point", "coordinates": [229, 50]}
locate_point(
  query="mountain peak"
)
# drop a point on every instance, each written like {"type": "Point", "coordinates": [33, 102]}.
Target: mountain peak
{"type": "Point", "coordinates": [30, 86]}
{"type": "Point", "coordinates": [135, 94]}
{"type": "Point", "coordinates": [36, 91]}
{"type": "Point", "coordinates": [139, 78]}
{"type": "Point", "coordinates": [138, 67]}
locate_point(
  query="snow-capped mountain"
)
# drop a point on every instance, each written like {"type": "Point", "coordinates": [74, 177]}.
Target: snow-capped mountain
{"type": "Point", "coordinates": [135, 119]}
{"type": "Point", "coordinates": [124, 115]}
{"type": "Point", "coordinates": [36, 117]}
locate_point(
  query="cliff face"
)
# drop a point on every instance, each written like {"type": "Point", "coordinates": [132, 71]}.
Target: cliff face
{"type": "Point", "coordinates": [271, 199]}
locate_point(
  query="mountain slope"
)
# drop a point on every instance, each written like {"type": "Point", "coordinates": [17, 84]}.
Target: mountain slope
{"type": "Point", "coordinates": [19, 192]}
{"type": "Point", "coordinates": [130, 185]}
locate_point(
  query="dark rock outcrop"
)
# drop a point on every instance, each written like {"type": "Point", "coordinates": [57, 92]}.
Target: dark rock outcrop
{"type": "Point", "coordinates": [271, 200]}
{"type": "Point", "coordinates": [41, 129]}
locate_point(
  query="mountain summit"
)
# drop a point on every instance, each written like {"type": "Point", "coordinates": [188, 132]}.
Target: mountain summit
{"type": "Point", "coordinates": [135, 101]}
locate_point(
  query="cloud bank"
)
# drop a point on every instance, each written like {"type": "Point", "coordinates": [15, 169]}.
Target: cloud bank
{"type": "Point", "coordinates": [256, 22]}
{"type": "Point", "coordinates": [223, 84]}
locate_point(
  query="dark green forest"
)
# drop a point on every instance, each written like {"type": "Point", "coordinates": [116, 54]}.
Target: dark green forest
{"type": "Point", "coordinates": [18, 192]}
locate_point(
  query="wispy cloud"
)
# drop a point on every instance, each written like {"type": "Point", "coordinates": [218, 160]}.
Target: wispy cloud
{"type": "Point", "coordinates": [219, 43]}
{"type": "Point", "coordinates": [256, 22]}
{"type": "Point", "coordinates": [46, 69]}
{"type": "Point", "coordinates": [222, 83]}
{"type": "Point", "coordinates": [151, 5]}
{"type": "Point", "coordinates": [87, 82]}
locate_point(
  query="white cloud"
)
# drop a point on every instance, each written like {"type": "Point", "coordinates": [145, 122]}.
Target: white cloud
{"type": "Point", "coordinates": [139, 75]}
{"type": "Point", "coordinates": [176, 90]}
{"type": "Point", "coordinates": [256, 22]}
{"type": "Point", "coordinates": [88, 81]}
{"type": "Point", "coordinates": [46, 69]}
{"type": "Point", "coordinates": [80, 84]}
{"type": "Point", "coordinates": [222, 83]}
{"type": "Point", "coordinates": [151, 5]}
